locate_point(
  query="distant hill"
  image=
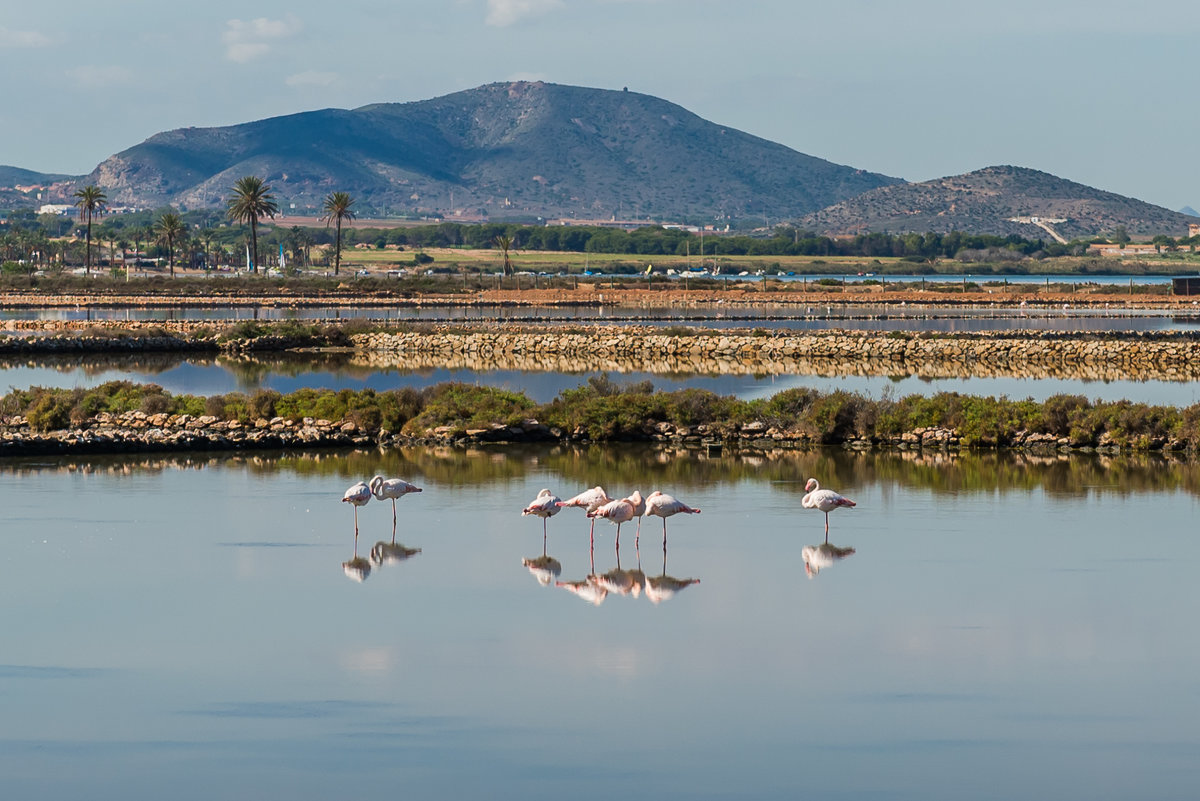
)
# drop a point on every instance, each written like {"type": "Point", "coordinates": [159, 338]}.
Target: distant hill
{"type": "Point", "coordinates": [985, 200]}
{"type": "Point", "coordinates": [1189, 211]}
{"type": "Point", "coordinates": [528, 149]}
{"type": "Point", "coordinates": [56, 191]}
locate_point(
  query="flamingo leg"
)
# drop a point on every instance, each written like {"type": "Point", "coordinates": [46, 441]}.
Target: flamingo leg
{"type": "Point", "coordinates": [592, 534]}
{"type": "Point", "coordinates": [618, 537]}
{"type": "Point", "coordinates": [637, 536]}
{"type": "Point", "coordinates": [394, 521]}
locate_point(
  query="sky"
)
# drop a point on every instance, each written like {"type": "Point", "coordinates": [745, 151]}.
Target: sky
{"type": "Point", "coordinates": [1099, 92]}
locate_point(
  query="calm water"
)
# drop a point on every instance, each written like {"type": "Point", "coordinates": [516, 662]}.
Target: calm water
{"type": "Point", "coordinates": [1004, 628]}
{"type": "Point", "coordinates": [286, 373]}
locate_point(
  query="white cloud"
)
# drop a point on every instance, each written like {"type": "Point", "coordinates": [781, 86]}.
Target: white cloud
{"type": "Point", "coordinates": [246, 40]}
{"type": "Point", "coordinates": [96, 76]}
{"type": "Point", "coordinates": [501, 13]}
{"type": "Point", "coordinates": [22, 38]}
{"type": "Point", "coordinates": [311, 78]}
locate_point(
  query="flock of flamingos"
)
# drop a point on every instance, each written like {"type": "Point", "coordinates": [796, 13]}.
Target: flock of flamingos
{"type": "Point", "coordinates": [597, 504]}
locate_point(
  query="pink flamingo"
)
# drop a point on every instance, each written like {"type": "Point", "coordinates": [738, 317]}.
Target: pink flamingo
{"type": "Point", "coordinates": [358, 495]}
{"type": "Point", "coordinates": [545, 505]}
{"type": "Point", "coordinates": [825, 500]}
{"type": "Point", "coordinates": [618, 512]}
{"type": "Point", "coordinates": [662, 505]}
{"type": "Point", "coordinates": [590, 501]}
{"type": "Point", "coordinates": [391, 488]}
{"type": "Point", "coordinates": [639, 511]}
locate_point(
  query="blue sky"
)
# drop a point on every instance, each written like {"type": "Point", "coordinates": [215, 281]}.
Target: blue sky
{"type": "Point", "coordinates": [1100, 92]}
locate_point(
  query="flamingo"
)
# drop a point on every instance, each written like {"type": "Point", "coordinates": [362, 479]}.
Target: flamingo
{"type": "Point", "coordinates": [825, 500]}
{"type": "Point", "coordinates": [358, 495]}
{"type": "Point", "coordinates": [662, 505]}
{"type": "Point", "coordinates": [545, 505]}
{"type": "Point", "coordinates": [616, 512]}
{"type": "Point", "coordinates": [639, 511]}
{"type": "Point", "coordinates": [589, 500]}
{"type": "Point", "coordinates": [393, 488]}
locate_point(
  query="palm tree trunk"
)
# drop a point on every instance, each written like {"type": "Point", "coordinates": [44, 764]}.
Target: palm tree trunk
{"type": "Point", "coordinates": [337, 248]}
{"type": "Point", "coordinates": [87, 256]}
{"type": "Point", "coordinates": [254, 244]}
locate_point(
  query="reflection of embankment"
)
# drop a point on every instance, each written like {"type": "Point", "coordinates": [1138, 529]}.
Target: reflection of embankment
{"type": "Point", "coordinates": [1084, 357]}
{"type": "Point", "coordinates": [616, 467]}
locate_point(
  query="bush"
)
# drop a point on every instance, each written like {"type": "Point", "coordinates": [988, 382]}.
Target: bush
{"type": "Point", "coordinates": [50, 412]}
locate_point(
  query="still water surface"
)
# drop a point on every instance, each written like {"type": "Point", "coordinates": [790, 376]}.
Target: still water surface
{"type": "Point", "coordinates": [207, 375]}
{"type": "Point", "coordinates": [184, 628]}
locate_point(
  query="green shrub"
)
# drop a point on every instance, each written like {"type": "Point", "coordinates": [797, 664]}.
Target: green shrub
{"type": "Point", "coordinates": [51, 411]}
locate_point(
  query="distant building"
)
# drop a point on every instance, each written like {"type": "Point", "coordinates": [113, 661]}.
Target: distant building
{"type": "Point", "coordinates": [1193, 229]}
{"type": "Point", "coordinates": [56, 208]}
{"type": "Point", "coordinates": [1186, 285]}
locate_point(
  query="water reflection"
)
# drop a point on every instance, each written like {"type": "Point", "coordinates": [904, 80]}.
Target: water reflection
{"type": "Point", "coordinates": [391, 553]}
{"type": "Point", "coordinates": [544, 568]}
{"type": "Point", "coordinates": [943, 473]}
{"type": "Point", "coordinates": [818, 557]}
{"type": "Point", "coordinates": [542, 379]}
{"type": "Point", "coordinates": [663, 587]}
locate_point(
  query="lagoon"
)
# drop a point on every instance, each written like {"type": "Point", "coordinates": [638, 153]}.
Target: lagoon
{"type": "Point", "coordinates": [1006, 627]}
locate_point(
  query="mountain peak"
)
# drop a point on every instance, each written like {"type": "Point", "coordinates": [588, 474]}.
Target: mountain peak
{"type": "Point", "coordinates": [527, 148]}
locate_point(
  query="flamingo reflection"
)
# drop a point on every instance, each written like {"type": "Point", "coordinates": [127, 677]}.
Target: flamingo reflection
{"type": "Point", "coordinates": [589, 589]}
{"type": "Point", "coordinates": [664, 587]}
{"type": "Point", "coordinates": [391, 553]}
{"type": "Point", "coordinates": [818, 557]}
{"type": "Point", "coordinates": [623, 582]}
{"type": "Point", "coordinates": [544, 568]}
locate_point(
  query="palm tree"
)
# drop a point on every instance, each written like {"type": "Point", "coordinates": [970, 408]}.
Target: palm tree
{"type": "Point", "coordinates": [337, 208]}
{"type": "Point", "coordinates": [91, 201]}
{"type": "Point", "coordinates": [504, 242]}
{"type": "Point", "coordinates": [170, 231]}
{"type": "Point", "coordinates": [251, 199]}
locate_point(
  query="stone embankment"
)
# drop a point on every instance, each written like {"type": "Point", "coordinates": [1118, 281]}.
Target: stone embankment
{"type": "Point", "coordinates": [1110, 356]}
{"type": "Point", "coordinates": [138, 432]}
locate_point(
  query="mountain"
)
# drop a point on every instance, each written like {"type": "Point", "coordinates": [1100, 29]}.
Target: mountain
{"type": "Point", "coordinates": [985, 201]}
{"type": "Point", "coordinates": [1189, 211]}
{"type": "Point", "coordinates": [524, 148]}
